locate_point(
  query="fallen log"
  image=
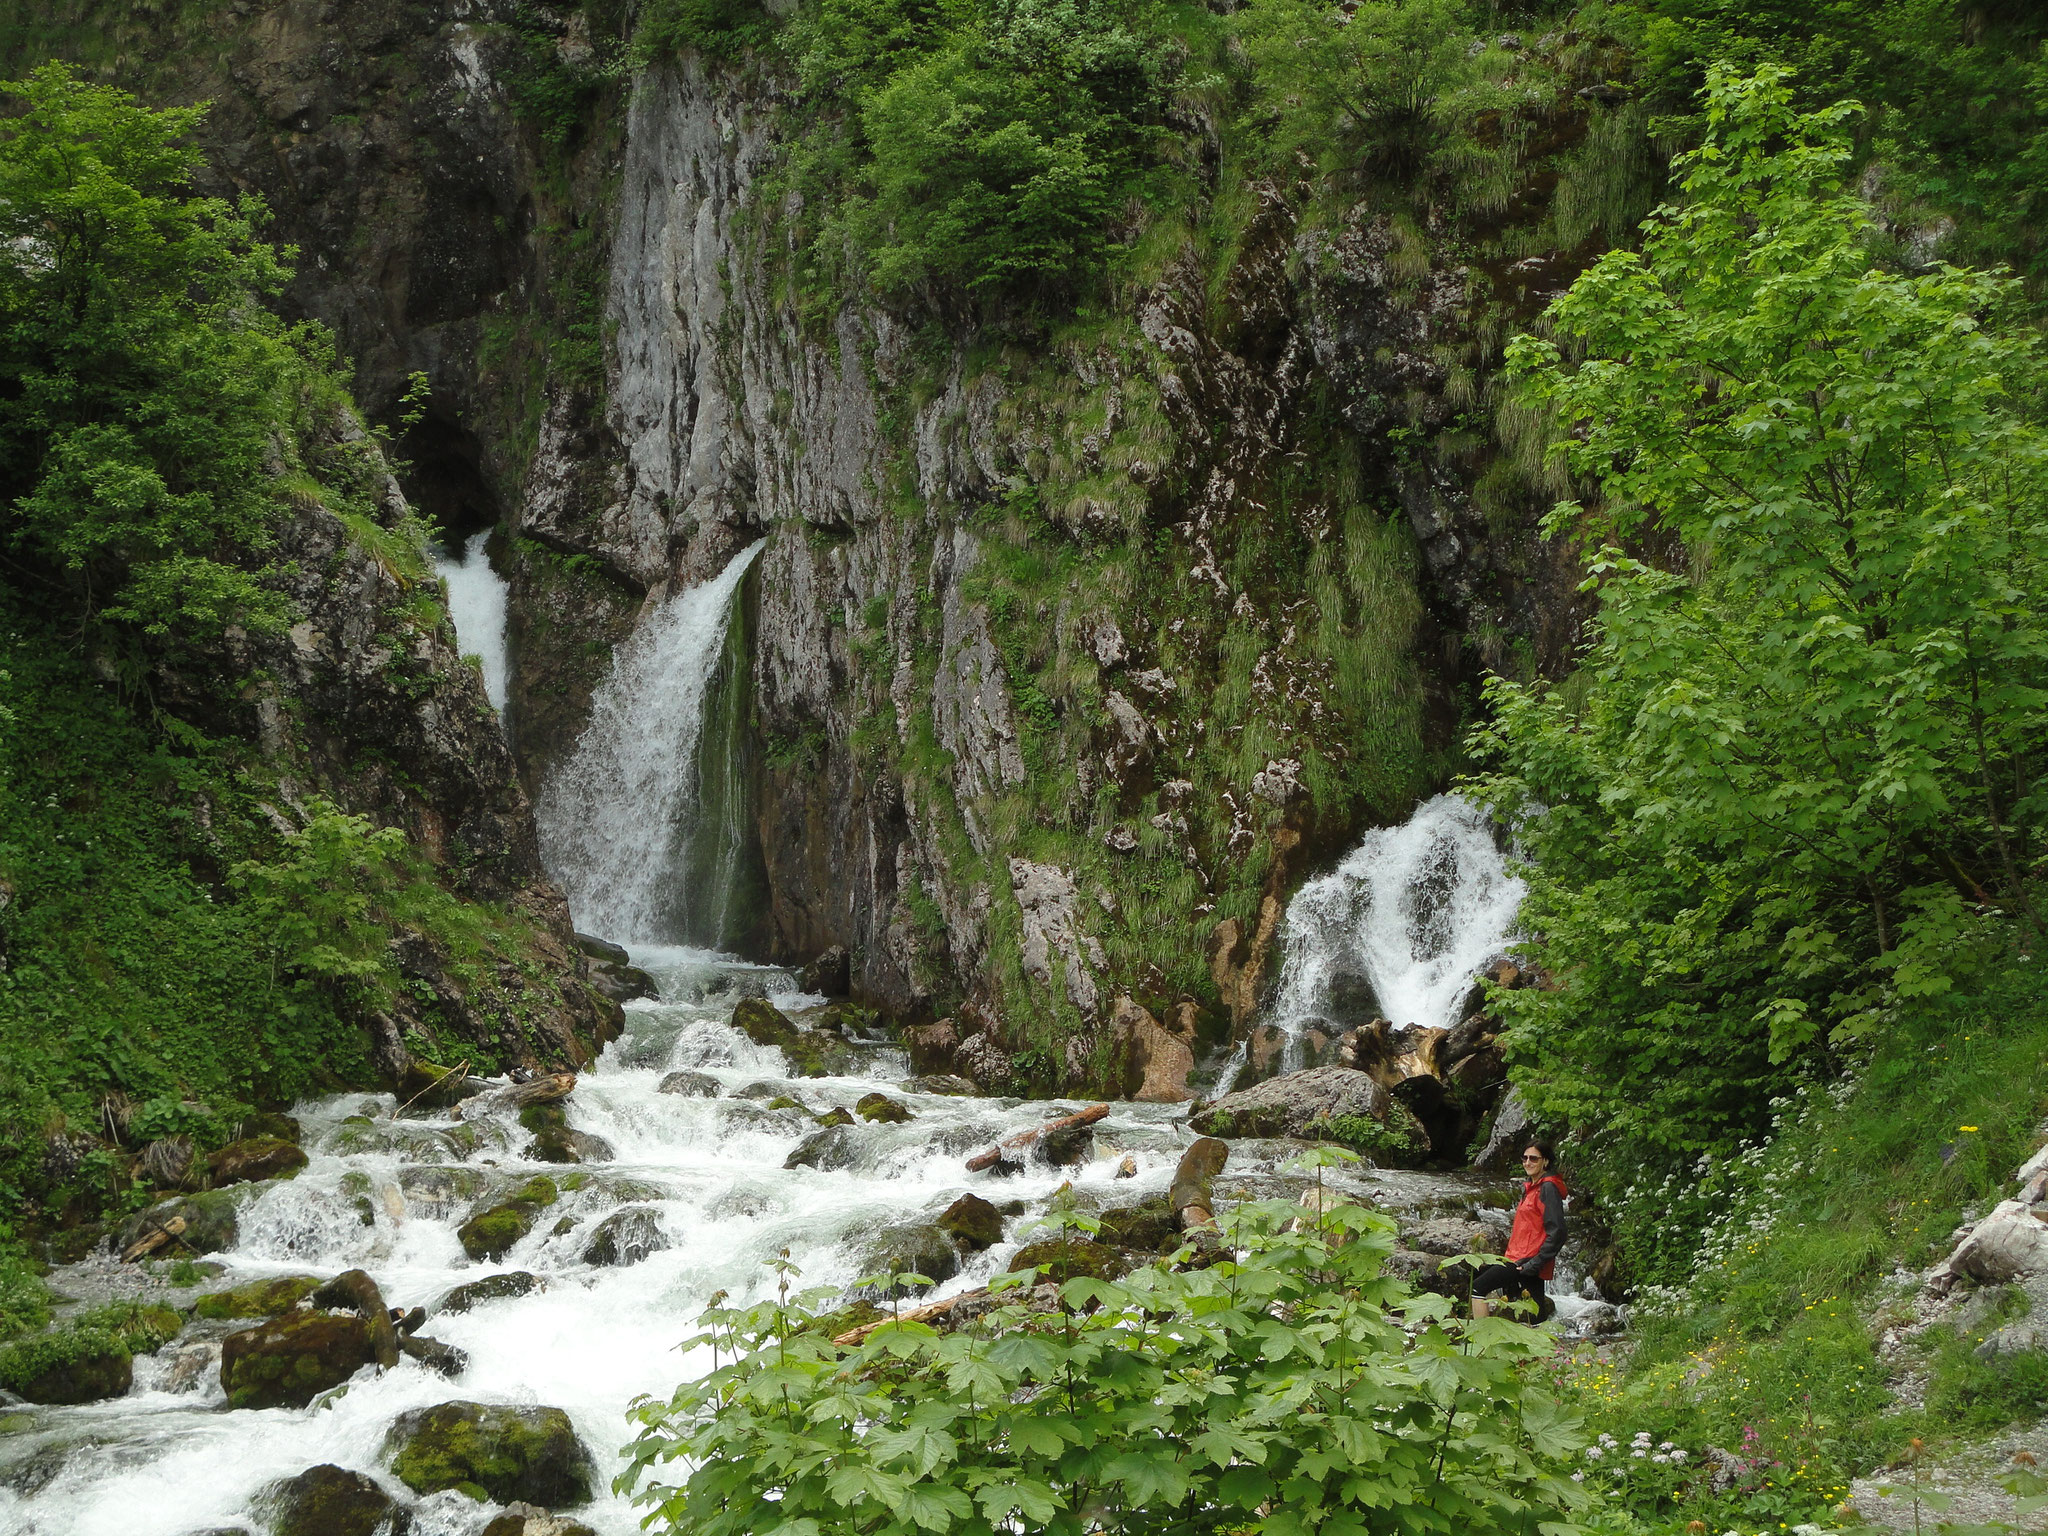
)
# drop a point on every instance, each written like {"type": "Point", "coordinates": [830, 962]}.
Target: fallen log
{"type": "Point", "coordinates": [517, 1096]}
{"type": "Point", "coordinates": [923, 1314]}
{"type": "Point", "coordinates": [994, 1155]}
{"type": "Point", "coordinates": [154, 1239]}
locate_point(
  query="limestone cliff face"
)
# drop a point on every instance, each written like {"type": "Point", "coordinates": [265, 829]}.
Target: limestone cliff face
{"type": "Point", "coordinates": [1071, 652]}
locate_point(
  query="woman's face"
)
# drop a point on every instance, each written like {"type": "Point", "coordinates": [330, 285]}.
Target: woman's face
{"type": "Point", "coordinates": [1534, 1163]}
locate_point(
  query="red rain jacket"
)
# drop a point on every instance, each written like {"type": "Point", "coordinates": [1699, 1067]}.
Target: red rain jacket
{"type": "Point", "coordinates": [1538, 1232]}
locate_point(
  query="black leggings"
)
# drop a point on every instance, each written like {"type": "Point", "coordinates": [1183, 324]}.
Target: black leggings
{"type": "Point", "coordinates": [1511, 1284]}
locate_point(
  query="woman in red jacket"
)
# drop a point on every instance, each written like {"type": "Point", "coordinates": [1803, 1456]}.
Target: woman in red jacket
{"type": "Point", "coordinates": [1533, 1242]}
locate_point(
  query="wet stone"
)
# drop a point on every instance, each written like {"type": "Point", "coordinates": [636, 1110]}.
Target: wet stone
{"type": "Point", "coordinates": [626, 1237]}
{"type": "Point", "coordinates": [496, 1452]}
{"type": "Point", "coordinates": [972, 1222]}
{"type": "Point", "coordinates": [835, 1147]}
{"type": "Point", "coordinates": [290, 1360]}
{"type": "Point", "coordinates": [256, 1157]}
{"type": "Point", "coordinates": [332, 1501]}
{"type": "Point", "coordinates": [912, 1248]}
{"type": "Point", "coordinates": [690, 1085]}
{"type": "Point", "coordinates": [1061, 1259]}
{"type": "Point", "coordinates": [881, 1109]}
{"type": "Point", "coordinates": [505, 1287]}
{"type": "Point", "coordinates": [211, 1224]}
{"type": "Point", "coordinates": [258, 1298]}
{"type": "Point", "coordinates": [945, 1084]}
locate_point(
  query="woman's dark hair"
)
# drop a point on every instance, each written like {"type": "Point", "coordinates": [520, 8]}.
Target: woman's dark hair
{"type": "Point", "coordinates": [1549, 1152]}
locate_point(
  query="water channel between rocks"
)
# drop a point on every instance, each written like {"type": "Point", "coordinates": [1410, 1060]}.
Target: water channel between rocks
{"type": "Point", "coordinates": [388, 1194]}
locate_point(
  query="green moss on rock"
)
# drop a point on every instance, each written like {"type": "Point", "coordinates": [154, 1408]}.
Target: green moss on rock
{"type": "Point", "coordinates": [1062, 1259]}
{"type": "Point", "coordinates": [503, 1453]}
{"type": "Point", "coordinates": [258, 1298]}
{"type": "Point", "coordinates": [290, 1360]}
{"type": "Point", "coordinates": [72, 1365]}
{"type": "Point", "coordinates": [256, 1157]}
{"type": "Point", "coordinates": [331, 1501]}
{"type": "Point", "coordinates": [490, 1234]}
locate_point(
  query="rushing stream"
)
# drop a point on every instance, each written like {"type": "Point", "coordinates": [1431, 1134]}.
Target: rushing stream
{"type": "Point", "coordinates": [476, 604]}
{"type": "Point", "coordinates": [387, 1195]}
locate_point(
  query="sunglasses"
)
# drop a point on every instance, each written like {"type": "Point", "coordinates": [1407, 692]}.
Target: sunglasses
{"type": "Point", "coordinates": [1532, 1157]}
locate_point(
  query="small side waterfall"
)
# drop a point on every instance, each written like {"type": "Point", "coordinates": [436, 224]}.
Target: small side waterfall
{"type": "Point", "coordinates": [476, 602]}
{"type": "Point", "coordinates": [620, 822]}
{"type": "Point", "coordinates": [1400, 928]}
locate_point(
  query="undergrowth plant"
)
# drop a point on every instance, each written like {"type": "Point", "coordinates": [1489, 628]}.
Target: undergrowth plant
{"type": "Point", "coordinates": [1292, 1387]}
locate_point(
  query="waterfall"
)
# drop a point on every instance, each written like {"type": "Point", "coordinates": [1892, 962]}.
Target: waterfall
{"type": "Point", "coordinates": [1400, 928]}
{"type": "Point", "coordinates": [476, 604]}
{"type": "Point", "coordinates": [620, 821]}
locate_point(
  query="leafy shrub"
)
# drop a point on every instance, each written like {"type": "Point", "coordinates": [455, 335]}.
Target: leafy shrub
{"type": "Point", "coordinates": [1279, 1388]}
{"type": "Point", "coordinates": [1792, 793]}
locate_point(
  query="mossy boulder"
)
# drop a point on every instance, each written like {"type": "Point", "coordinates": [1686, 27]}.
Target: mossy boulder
{"type": "Point", "coordinates": [255, 1157]}
{"type": "Point", "coordinates": [1062, 1259]}
{"type": "Point", "coordinates": [810, 1053]}
{"type": "Point", "coordinates": [276, 1126]}
{"type": "Point", "coordinates": [881, 1109]}
{"type": "Point", "coordinates": [258, 1298]}
{"type": "Point", "coordinates": [504, 1287]}
{"type": "Point", "coordinates": [143, 1326]}
{"type": "Point", "coordinates": [490, 1233]}
{"type": "Point", "coordinates": [912, 1248]}
{"type": "Point", "coordinates": [290, 1360]}
{"type": "Point", "coordinates": [1150, 1225]}
{"type": "Point", "coordinates": [832, 1117]}
{"type": "Point", "coordinates": [211, 1223]}
{"type": "Point", "coordinates": [492, 1451]}
{"type": "Point", "coordinates": [332, 1501]}
{"type": "Point", "coordinates": [71, 1365]}
{"type": "Point", "coordinates": [972, 1223]}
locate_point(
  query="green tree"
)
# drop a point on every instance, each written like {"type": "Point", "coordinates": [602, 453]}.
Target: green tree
{"type": "Point", "coordinates": [141, 380]}
{"type": "Point", "coordinates": [1293, 1388]}
{"type": "Point", "coordinates": [1795, 785]}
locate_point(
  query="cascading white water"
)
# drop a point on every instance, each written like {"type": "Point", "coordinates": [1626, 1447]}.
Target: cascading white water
{"type": "Point", "coordinates": [476, 603]}
{"type": "Point", "coordinates": [617, 818]}
{"type": "Point", "coordinates": [1416, 910]}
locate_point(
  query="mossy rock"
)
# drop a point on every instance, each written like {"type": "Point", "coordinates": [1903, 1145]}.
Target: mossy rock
{"type": "Point", "coordinates": [1149, 1225]}
{"type": "Point", "coordinates": [258, 1298]}
{"type": "Point", "coordinates": [72, 1365]}
{"type": "Point", "coordinates": [275, 1126]}
{"type": "Point", "coordinates": [143, 1326]}
{"type": "Point", "coordinates": [763, 1023]}
{"type": "Point", "coordinates": [810, 1053]}
{"type": "Point", "coordinates": [832, 1117]}
{"type": "Point", "coordinates": [972, 1222]}
{"type": "Point", "coordinates": [255, 1157]}
{"type": "Point", "coordinates": [506, 1453]}
{"type": "Point", "coordinates": [290, 1360]}
{"type": "Point", "coordinates": [504, 1287]}
{"type": "Point", "coordinates": [834, 1147]}
{"type": "Point", "coordinates": [783, 1101]}
{"type": "Point", "coordinates": [211, 1222]}
{"type": "Point", "coordinates": [541, 1118]}
{"type": "Point", "coordinates": [912, 1248]}
{"type": "Point", "coordinates": [882, 1109]}
{"type": "Point", "coordinates": [490, 1234]}
{"type": "Point", "coordinates": [1063, 1259]}
{"type": "Point", "coordinates": [332, 1501]}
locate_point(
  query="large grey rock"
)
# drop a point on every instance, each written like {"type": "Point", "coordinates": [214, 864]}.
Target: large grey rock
{"type": "Point", "coordinates": [1290, 1104]}
{"type": "Point", "coordinates": [333, 1501]}
{"type": "Point", "coordinates": [837, 1146]}
{"type": "Point", "coordinates": [530, 1454]}
{"type": "Point", "coordinates": [626, 1237]}
{"type": "Point", "coordinates": [1511, 1124]}
{"type": "Point", "coordinates": [2009, 1244]}
{"type": "Point", "coordinates": [912, 1248]}
{"type": "Point", "coordinates": [690, 1085]}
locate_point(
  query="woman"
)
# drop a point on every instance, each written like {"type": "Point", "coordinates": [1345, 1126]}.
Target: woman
{"type": "Point", "coordinates": [1533, 1241]}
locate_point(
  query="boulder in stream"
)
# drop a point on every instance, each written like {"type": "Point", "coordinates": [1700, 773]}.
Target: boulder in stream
{"type": "Point", "coordinates": [829, 975]}
{"type": "Point", "coordinates": [810, 1053]}
{"type": "Point", "coordinates": [836, 1146]}
{"type": "Point", "coordinates": [1064, 1258]}
{"type": "Point", "coordinates": [290, 1360]}
{"type": "Point", "coordinates": [972, 1223]}
{"type": "Point", "coordinates": [492, 1451]}
{"type": "Point", "coordinates": [882, 1109]}
{"type": "Point", "coordinates": [620, 982]}
{"type": "Point", "coordinates": [505, 1287]}
{"type": "Point", "coordinates": [521, 1519]}
{"type": "Point", "coordinates": [209, 1223]}
{"type": "Point", "coordinates": [945, 1084]}
{"type": "Point", "coordinates": [258, 1298]}
{"type": "Point", "coordinates": [1293, 1104]}
{"type": "Point", "coordinates": [72, 1365]}
{"type": "Point", "coordinates": [255, 1157]}
{"type": "Point", "coordinates": [912, 1248]}
{"type": "Point", "coordinates": [490, 1233]}
{"type": "Point", "coordinates": [690, 1085]}
{"type": "Point", "coordinates": [626, 1237]}
{"type": "Point", "coordinates": [333, 1501]}
{"type": "Point", "coordinates": [555, 1142]}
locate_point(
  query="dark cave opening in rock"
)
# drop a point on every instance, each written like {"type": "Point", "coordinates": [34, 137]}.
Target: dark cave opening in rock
{"type": "Point", "coordinates": [443, 477]}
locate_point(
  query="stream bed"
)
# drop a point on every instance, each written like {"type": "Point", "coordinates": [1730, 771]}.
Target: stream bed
{"type": "Point", "coordinates": [388, 1194]}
